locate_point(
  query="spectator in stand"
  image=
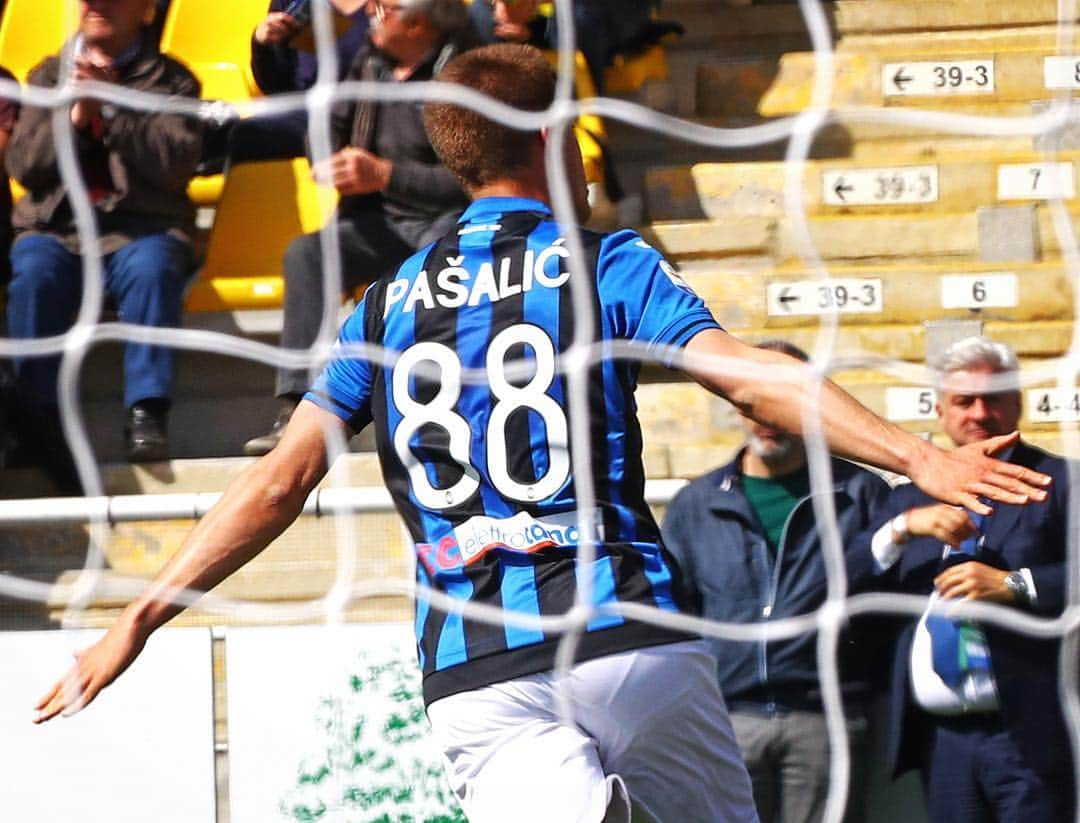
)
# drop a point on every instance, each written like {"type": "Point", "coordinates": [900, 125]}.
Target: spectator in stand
{"type": "Point", "coordinates": [396, 196]}
{"type": "Point", "coordinates": [602, 28]}
{"type": "Point", "coordinates": [279, 68]}
{"type": "Point", "coordinates": [976, 707]}
{"type": "Point", "coordinates": [746, 539]}
{"type": "Point", "coordinates": [9, 113]}
{"type": "Point", "coordinates": [161, 8]}
{"type": "Point", "coordinates": [136, 166]}
{"type": "Point", "coordinates": [512, 21]}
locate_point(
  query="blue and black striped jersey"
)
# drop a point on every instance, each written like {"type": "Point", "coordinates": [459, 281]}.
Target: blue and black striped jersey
{"type": "Point", "coordinates": [475, 430]}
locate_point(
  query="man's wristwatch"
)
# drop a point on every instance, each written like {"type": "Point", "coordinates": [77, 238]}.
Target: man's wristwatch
{"type": "Point", "coordinates": [1016, 583]}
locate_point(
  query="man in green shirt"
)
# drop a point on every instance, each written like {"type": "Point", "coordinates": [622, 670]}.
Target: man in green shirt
{"type": "Point", "coordinates": [746, 539]}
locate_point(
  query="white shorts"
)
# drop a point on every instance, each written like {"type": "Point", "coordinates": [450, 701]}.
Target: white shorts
{"type": "Point", "coordinates": [650, 722]}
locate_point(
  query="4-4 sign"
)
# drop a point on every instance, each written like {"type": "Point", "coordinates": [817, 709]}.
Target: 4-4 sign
{"type": "Point", "coordinates": [1053, 405]}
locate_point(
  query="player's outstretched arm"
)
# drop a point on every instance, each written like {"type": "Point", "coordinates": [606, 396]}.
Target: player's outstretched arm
{"type": "Point", "coordinates": [774, 389]}
{"type": "Point", "coordinates": [255, 509]}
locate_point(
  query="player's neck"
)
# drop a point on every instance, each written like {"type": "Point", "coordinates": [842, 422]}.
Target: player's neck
{"type": "Point", "coordinates": [513, 188]}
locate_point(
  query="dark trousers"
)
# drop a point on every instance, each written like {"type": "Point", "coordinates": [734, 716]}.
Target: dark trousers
{"type": "Point", "coordinates": [975, 774]}
{"type": "Point", "coordinates": [370, 247]}
{"type": "Point", "coordinates": [146, 280]}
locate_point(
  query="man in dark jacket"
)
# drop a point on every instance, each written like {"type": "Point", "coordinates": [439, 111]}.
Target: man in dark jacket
{"type": "Point", "coordinates": [975, 707]}
{"type": "Point", "coordinates": [280, 67]}
{"type": "Point", "coordinates": [396, 196]}
{"type": "Point", "coordinates": [135, 166]}
{"type": "Point", "coordinates": [746, 539]}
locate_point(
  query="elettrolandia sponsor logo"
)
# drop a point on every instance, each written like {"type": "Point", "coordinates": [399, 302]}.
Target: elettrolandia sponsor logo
{"type": "Point", "coordinates": [521, 533]}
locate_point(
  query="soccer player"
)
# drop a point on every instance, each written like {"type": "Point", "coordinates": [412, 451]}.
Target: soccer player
{"type": "Point", "coordinates": [477, 426]}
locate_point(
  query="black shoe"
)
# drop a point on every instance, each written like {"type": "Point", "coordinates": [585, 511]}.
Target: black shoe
{"type": "Point", "coordinates": [258, 446]}
{"type": "Point", "coordinates": [145, 435]}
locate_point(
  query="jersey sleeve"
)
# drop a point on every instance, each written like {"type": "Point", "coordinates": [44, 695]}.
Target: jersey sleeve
{"type": "Point", "coordinates": [344, 387]}
{"type": "Point", "coordinates": [645, 298]}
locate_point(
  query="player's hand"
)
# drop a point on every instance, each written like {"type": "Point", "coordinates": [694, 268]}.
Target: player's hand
{"type": "Point", "coordinates": [964, 475]}
{"type": "Point", "coordinates": [973, 581]}
{"type": "Point", "coordinates": [354, 171]}
{"type": "Point", "coordinates": [949, 524]}
{"type": "Point", "coordinates": [276, 27]}
{"type": "Point", "coordinates": [94, 669]}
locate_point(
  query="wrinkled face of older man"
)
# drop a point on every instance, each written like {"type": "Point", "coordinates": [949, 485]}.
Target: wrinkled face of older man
{"type": "Point", "coordinates": [975, 404]}
{"type": "Point", "coordinates": [113, 25]}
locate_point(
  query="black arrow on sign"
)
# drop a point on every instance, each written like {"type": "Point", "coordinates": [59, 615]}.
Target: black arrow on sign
{"type": "Point", "coordinates": [900, 79]}
{"type": "Point", "coordinates": [786, 298]}
{"type": "Point", "coordinates": [840, 188]}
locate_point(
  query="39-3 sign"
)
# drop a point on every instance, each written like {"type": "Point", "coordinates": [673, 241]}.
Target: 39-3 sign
{"type": "Point", "coordinates": [938, 77]}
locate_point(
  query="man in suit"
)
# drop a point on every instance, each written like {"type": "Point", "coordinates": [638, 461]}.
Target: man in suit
{"type": "Point", "coordinates": [974, 706]}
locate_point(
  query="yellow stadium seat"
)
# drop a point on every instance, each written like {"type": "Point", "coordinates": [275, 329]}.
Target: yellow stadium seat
{"type": "Point", "coordinates": [589, 128]}
{"type": "Point", "coordinates": [263, 207]}
{"type": "Point", "coordinates": [214, 45]}
{"type": "Point", "coordinates": [31, 30]}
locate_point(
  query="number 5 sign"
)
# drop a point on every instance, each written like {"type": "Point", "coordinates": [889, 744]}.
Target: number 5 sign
{"type": "Point", "coordinates": [910, 403]}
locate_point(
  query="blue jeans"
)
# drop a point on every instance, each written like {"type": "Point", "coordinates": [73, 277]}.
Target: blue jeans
{"type": "Point", "coordinates": [145, 279]}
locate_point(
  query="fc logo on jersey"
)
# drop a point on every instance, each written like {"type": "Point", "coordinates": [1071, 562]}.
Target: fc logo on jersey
{"type": "Point", "coordinates": [676, 278]}
{"type": "Point", "coordinates": [668, 269]}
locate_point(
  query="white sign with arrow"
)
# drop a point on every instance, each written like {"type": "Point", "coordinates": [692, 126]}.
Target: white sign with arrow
{"type": "Point", "coordinates": [844, 295]}
{"type": "Point", "coordinates": [875, 187]}
{"type": "Point", "coordinates": [929, 78]}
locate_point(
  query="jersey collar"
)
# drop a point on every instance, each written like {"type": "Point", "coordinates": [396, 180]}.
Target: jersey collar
{"type": "Point", "coordinates": [487, 207]}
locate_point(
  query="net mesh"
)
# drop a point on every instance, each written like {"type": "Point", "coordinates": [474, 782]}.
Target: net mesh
{"type": "Point", "coordinates": [337, 590]}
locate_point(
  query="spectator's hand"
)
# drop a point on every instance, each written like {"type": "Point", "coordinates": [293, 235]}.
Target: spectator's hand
{"type": "Point", "coordinates": [949, 524]}
{"type": "Point", "coordinates": [964, 475]}
{"type": "Point", "coordinates": [354, 171]}
{"type": "Point", "coordinates": [277, 27]}
{"type": "Point", "coordinates": [90, 67]}
{"type": "Point", "coordinates": [974, 581]}
{"type": "Point", "coordinates": [94, 669]}
{"type": "Point", "coordinates": [512, 19]}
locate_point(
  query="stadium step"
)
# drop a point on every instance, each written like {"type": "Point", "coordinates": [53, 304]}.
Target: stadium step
{"type": "Point", "coordinates": [931, 79]}
{"type": "Point", "coordinates": [882, 16]}
{"type": "Point", "coordinates": [860, 238]}
{"type": "Point", "coordinates": [849, 17]}
{"type": "Point", "coordinates": [757, 294]}
{"type": "Point", "coordinates": [915, 185]}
